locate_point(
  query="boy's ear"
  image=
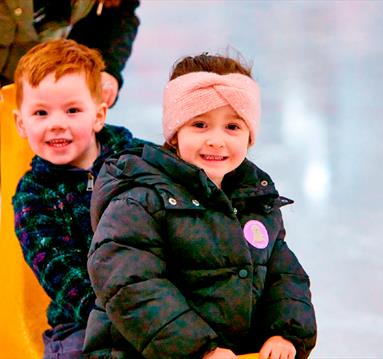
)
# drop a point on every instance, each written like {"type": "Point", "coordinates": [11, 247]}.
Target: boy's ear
{"type": "Point", "coordinates": [19, 124]}
{"type": "Point", "coordinates": [100, 117]}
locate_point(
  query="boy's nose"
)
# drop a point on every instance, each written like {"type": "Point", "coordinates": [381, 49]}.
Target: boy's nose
{"type": "Point", "coordinates": [57, 122]}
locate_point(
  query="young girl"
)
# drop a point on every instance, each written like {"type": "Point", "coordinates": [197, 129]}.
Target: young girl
{"type": "Point", "coordinates": [188, 259]}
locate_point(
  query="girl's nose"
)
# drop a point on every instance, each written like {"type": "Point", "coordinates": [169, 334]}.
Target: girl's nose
{"type": "Point", "coordinates": [215, 140]}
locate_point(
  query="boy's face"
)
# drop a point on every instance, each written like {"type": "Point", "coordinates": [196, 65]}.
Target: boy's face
{"type": "Point", "coordinates": [60, 119]}
{"type": "Point", "coordinates": [216, 141]}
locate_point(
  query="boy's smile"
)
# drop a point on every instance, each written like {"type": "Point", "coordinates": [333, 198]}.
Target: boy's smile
{"type": "Point", "coordinates": [216, 141]}
{"type": "Point", "coordinates": [60, 119]}
{"type": "Point", "coordinates": [58, 142]}
{"type": "Point", "coordinates": [213, 158]}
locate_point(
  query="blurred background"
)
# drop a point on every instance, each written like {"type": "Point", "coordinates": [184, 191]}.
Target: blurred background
{"type": "Point", "coordinates": [320, 68]}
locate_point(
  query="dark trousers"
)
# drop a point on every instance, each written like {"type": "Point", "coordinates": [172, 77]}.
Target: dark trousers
{"type": "Point", "coordinates": [63, 342]}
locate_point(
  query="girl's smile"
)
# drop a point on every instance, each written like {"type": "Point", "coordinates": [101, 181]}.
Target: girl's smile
{"type": "Point", "coordinates": [216, 141]}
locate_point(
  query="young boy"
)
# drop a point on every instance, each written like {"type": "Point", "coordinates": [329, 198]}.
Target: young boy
{"type": "Point", "coordinates": [61, 113]}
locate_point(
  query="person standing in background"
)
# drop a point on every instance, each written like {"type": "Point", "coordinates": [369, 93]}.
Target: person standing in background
{"type": "Point", "coordinates": [107, 25]}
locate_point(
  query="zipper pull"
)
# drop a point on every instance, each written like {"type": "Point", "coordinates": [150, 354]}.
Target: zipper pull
{"type": "Point", "coordinates": [90, 183]}
{"type": "Point", "coordinates": [99, 7]}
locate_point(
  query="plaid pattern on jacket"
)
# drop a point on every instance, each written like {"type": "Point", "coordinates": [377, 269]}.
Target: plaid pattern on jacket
{"type": "Point", "coordinates": [173, 273]}
{"type": "Point", "coordinates": [52, 223]}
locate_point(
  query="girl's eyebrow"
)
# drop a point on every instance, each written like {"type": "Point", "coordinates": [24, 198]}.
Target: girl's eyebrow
{"type": "Point", "coordinates": [198, 116]}
{"type": "Point", "coordinates": [237, 118]}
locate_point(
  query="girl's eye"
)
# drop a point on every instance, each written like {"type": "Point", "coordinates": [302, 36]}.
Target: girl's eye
{"type": "Point", "coordinates": [199, 124]}
{"type": "Point", "coordinates": [40, 113]}
{"type": "Point", "coordinates": [233, 126]}
{"type": "Point", "coordinates": [73, 110]}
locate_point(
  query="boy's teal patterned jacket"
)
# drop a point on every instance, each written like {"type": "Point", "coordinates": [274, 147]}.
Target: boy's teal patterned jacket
{"type": "Point", "coordinates": [52, 223]}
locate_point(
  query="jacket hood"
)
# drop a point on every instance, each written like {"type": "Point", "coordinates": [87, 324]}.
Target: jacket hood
{"type": "Point", "coordinates": [153, 165]}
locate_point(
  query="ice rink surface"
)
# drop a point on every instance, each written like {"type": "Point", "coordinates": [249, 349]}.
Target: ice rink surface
{"type": "Point", "coordinates": [320, 68]}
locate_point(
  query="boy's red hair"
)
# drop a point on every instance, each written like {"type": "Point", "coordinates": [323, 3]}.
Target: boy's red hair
{"type": "Point", "coordinates": [60, 57]}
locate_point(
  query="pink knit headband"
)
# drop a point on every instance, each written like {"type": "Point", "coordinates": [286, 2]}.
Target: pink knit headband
{"type": "Point", "coordinates": [195, 93]}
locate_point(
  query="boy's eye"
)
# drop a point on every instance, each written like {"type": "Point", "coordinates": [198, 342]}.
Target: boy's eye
{"type": "Point", "coordinates": [40, 113]}
{"type": "Point", "coordinates": [73, 110]}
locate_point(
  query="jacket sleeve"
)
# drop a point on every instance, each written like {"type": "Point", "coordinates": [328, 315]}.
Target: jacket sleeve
{"type": "Point", "coordinates": [129, 275]}
{"type": "Point", "coordinates": [53, 253]}
{"type": "Point", "coordinates": [287, 309]}
{"type": "Point", "coordinates": [112, 32]}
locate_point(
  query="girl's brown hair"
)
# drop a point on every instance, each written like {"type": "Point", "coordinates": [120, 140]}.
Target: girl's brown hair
{"type": "Point", "coordinates": [219, 64]}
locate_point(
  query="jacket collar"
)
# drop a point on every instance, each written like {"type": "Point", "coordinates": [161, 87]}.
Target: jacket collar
{"type": "Point", "coordinates": [246, 181]}
{"type": "Point", "coordinates": [154, 166]}
{"type": "Point", "coordinates": [178, 170]}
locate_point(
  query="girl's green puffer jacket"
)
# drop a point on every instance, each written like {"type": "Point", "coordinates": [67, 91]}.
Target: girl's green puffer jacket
{"type": "Point", "coordinates": [172, 271]}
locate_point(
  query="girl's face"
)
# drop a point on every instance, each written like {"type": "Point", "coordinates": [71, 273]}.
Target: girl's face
{"type": "Point", "coordinates": [216, 141]}
{"type": "Point", "coordinates": [60, 119]}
